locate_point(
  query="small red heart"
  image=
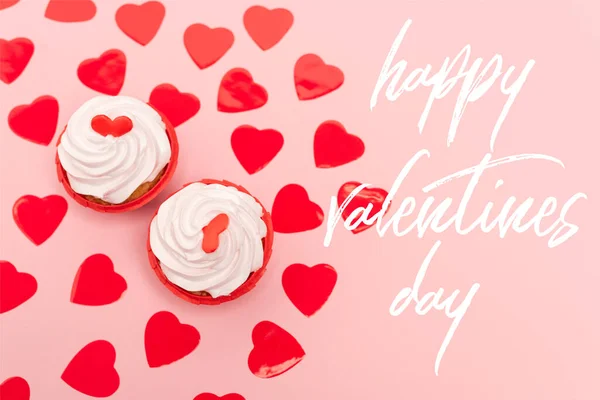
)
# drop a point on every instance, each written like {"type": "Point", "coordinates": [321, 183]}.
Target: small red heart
{"type": "Point", "coordinates": [167, 340]}
{"type": "Point", "coordinates": [366, 196]}
{"type": "Point", "coordinates": [255, 148]}
{"type": "Point", "coordinates": [104, 74]}
{"type": "Point", "coordinates": [70, 11]}
{"type": "Point", "coordinates": [37, 121]}
{"type": "Point", "coordinates": [267, 27]}
{"type": "Point", "coordinates": [334, 146]}
{"type": "Point", "coordinates": [15, 287]}
{"type": "Point", "coordinates": [308, 288]}
{"type": "Point", "coordinates": [115, 127]}
{"type": "Point", "coordinates": [238, 92]}
{"type": "Point", "coordinates": [92, 370]}
{"type": "Point", "coordinates": [275, 350]}
{"type": "Point", "coordinates": [294, 212]}
{"type": "Point", "coordinates": [140, 22]}
{"type": "Point", "coordinates": [7, 3]}
{"type": "Point", "coordinates": [178, 107]}
{"type": "Point", "coordinates": [14, 57]}
{"type": "Point", "coordinates": [15, 388]}
{"type": "Point", "coordinates": [38, 218]}
{"type": "Point", "coordinates": [314, 78]}
{"type": "Point", "coordinates": [207, 45]}
{"type": "Point", "coordinates": [97, 283]}
{"type": "Point", "coordinates": [210, 396]}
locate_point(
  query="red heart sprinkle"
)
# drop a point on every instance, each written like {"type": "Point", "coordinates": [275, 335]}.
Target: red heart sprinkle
{"type": "Point", "coordinates": [308, 288]}
{"type": "Point", "coordinates": [38, 218]}
{"type": "Point", "coordinates": [366, 196]}
{"type": "Point", "coordinates": [314, 78]}
{"type": "Point", "coordinates": [333, 146]}
{"type": "Point", "coordinates": [14, 57]}
{"type": "Point", "coordinates": [15, 287]}
{"type": "Point", "coordinates": [255, 148]}
{"type": "Point", "coordinates": [238, 92]}
{"type": "Point", "coordinates": [140, 22]}
{"type": "Point", "coordinates": [207, 45]}
{"type": "Point", "coordinates": [104, 74]}
{"type": "Point", "coordinates": [267, 27]}
{"type": "Point", "coordinates": [92, 370]}
{"type": "Point", "coordinates": [210, 396]}
{"type": "Point", "coordinates": [178, 107]}
{"type": "Point", "coordinates": [211, 232]}
{"type": "Point", "coordinates": [294, 212]}
{"type": "Point", "coordinates": [70, 11]}
{"type": "Point", "coordinates": [275, 350]}
{"type": "Point", "coordinates": [106, 126]}
{"type": "Point", "coordinates": [167, 340]}
{"type": "Point", "coordinates": [15, 388]}
{"type": "Point", "coordinates": [97, 283]}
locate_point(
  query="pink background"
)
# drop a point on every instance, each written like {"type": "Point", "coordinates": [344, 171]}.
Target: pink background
{"type": "Point", "coordinates": [532, 330]}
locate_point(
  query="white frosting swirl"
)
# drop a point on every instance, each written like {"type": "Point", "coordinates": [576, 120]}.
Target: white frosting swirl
{"type": "Point", "coordinates": [111, 168]}
{"type": "Point", "coordinates": [176, 235]}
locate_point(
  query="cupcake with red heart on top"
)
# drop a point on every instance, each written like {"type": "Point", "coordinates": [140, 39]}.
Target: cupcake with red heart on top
{"type": "Point", "coordinates": [116, 153]}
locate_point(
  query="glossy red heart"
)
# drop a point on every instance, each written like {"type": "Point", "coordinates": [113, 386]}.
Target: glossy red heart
{"type": "Point", "coordinates": [275, 350]}
{"type": "Point", "coordinates": [176, 106]}
{"type": "Point", "coordinates": [238, 92]}
{"type": "Point", "coordinates": [294, 212]}
{"type": "Point", "coordinates": [140, 22]}
{"type": "Point", "coordinates": [92, 370]}
{"type": "Point", "coordinates": [334, 146]}
{"type": "Point", "coordinates": [97, 283]}
{"type": "Point", "coordinates": [314, 78]}
{"type": "Point", "coordinates": [308, 288]}
{"type": "Point", "coordinates": [207, 45]}
{"type": "Point", "coordinates": [37, 121]}
{"type": "Point", "coordinates": [374, 196]}
{"type": "Point", "coordinates": [15, 388]}
{"type": "Point", "coordinates": [14, 57]}
{"type": "Point", "coordinates": [7, 3]}
{"type": "Point", "coordinates": [267, 27]}
{"type": "Point", "coordinates": [210, 396]}
{"type": "Point", "coordinates": [167, 340]}
{"type": "Point", "coordinates": [104, 74]}
{"type": "Point", "coordinates": [15, 287]}
{"type": "Point", "coordinates": [255, 148]}
{"type": "Point", "coordinates": [70, 11]}
{"type": "Point", "coordinates": [37, 217]}
{"type": "Point", "coordinates": [115, 127]}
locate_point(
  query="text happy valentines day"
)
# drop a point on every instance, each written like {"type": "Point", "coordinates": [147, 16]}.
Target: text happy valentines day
{"type": "Point", "coordinates": [436, 216]}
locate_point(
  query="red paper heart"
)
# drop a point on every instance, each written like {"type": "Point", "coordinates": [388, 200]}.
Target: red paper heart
{"type": "Point", "coordinates": [7, 3]}
{"type": "Point", "coordinates": [275, 350]}
{"type": "Point", "coordinates": [178, 107]}
{"type": "Point", "coordinates": [207, 45]}
{"type": "Point", "coordinates": [167, 340]}
{"type": "Point", "coordinates": [294, 212]}
{"type": "Point", "coordinates": [92, 370]}
{"type": "Point", "coordinates": [70, 11]}
{"type": "Point", "coordinates": [238, 92]}
{"type": "Point", "coordinates": [14, 57]}
{"type": "Point", "coordinates": [104, 74]}
{"type": "Point", "coordinates": [115, 127]}
{"type": "Point", "coordinates": [140, 22]}
{"type": "Point", "coordinates": [38, 218]}
{"type": "Point", "coordinates": [97, 283]}
{"type": "Point", "coordinates": [333, 146]}
{"type": "Point", "coordinates": [365, 197]}
{"type": "Point", "coordinates": [210, 396]}
{"type": "Point", "coordinates": [15, 388]}
{"type": "Point", "coordinates": [308, 288]}
{"type": "Point", "coordinates": [35, 122]}
{"type": "Point", "coordinates": [15, 287]}
{"type": "Point", "coordinates": [267, 27]}
{"type": "Point", "coordinates": [314, 78]}
{"type": "Point", "coordinates": [255, 148]}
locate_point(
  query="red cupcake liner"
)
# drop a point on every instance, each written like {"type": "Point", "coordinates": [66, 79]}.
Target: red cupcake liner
{"type": "Point", "coordinates": [245, 287]}
{"type": "Point", "coordinates": [140, 201]}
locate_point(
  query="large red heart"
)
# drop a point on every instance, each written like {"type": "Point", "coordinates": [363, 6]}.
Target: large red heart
{"type": "Point", "coordinates": [275, 350]}
{"type": "Point", "coordinates": [167, 340]}
{"type": "Point", "coordinates": [15, 287]}
{"type": "Point", "coordinates": [308, 288]}
{"type": "Point", "coordinates": [14, 57]}
{"type": "Point", "coordinates": [92, 370]}
{"type": "Point", "coordinates": [115, 127]}
{"type": "Point", "coordinates": [255, 148]}
{"type": "Point", "coordinates": [15, 388]}
{"type": "Point", "coordinates": [178, 107]}
{"type": "Point", "coordinates": [70, 11]}
{"type": "Point", "coordinates": [267, 27]}
{"type": "Point", "coordinates": [37, 217]}
{"type": "Point", "coordinates": [314, 78]}
{"type": "Point", "coordinates": [366, 196]}
{"type": "Point", "coordinates": [104, 74]}
{"type": "Point", "coordinates": [37, 121]}
{"type": "Point", "coordinates": [238, 92]}
{"type": "Point", "coordinates": [7, 3]}
{"type": "Point", "coordinates": [97, 283]}
{"type": "Point", "coordinates": [207, 45]}
{"type": "Point", "coordinates": [333, 146]}
{"type": "Point", "coordinates": [140, 22]}
{"type": "Point", "coordinates": [294, 212]}
{"type": "Point", "coordinates": [210, 396]}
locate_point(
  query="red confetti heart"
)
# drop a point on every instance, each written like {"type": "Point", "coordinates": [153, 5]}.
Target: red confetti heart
{"type": "Point", "coordinates": [140, 22]}
{"type": "Point", "coordinates": [15, 287]}
{"type": "Point", "coordinates": [92, 370]}
{"type": "Point", "coordinates": [207, 45]}
{"type": "Point", "coordinates": [37, 121]}
{"type": "Point", "coordinates": [308, 288]}
{"type": "Point", "coordinates": [255, 148]}
{"type": "Point", "coordinates": [38, 218]}
{"type": "Point", "coordinates": [294, 212]}
{"type": "Point", "coordinates": [333, 146]}
{"type": "Point", "coordinates": [210, 396]}
{"type": "Point", "coordinates": [366, 196]}
{"type": "Point", "coordinates": [275, 350]}
{"type": "Point", "coordinates": [106, 126]}
{"type": "Point", "coordinates": [70, 11]}
{"type": "Point", "coordinates": [15, 388]}
{"type": "Point", "coordinates": [238, 92]}
{"type": "Point", "coordinates": [178, 107]}
{"type": "Point", "coordinates": [167, 340]}
{"type": "Point", "coordinates": [14, 57]}
{"type": "Point", "coordinates": [7, 3]}
{"type": "Point", "coordinates": [314, 78]}
{"type": "Point", "coordinates": [97, 283]}
{"type": "Point", "coordinates": [104, 74]}
{"type": "Point", "coordinates": [267, 27]}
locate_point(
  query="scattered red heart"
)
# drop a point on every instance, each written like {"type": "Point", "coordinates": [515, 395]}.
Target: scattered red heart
{"type": "Point", "coordinates": [37, 217]}
{"type": "Point", "coordinates": [15, 287]}
{"type": "Point", "coordinates": [178, 107]}
{"type": "Point", "coordinates": [363, 199]}
{"type": "Point", "coordinates": [267, 27]}
{"type": "Point", "coordinates": [70, 11]}
{"type": "Point", "coordinates": [167, 340]}
{"type": "Point", "coordinates": [238, 92]}
{"type": "Point", "coordinates": [37, 121]}
{"type": "Point", "coordinates": [334, 146]}
{"type": "Point", "coordinates": [308, 288]}
{"type": "Point", "coordinates": [92, 370]}
{"type": "Point", "coordinates": [210, 396]}
{"type": "Point", "coordinates": [294, 212]}
{"type": "Point", "coordinates": [314, 78]}
{"type": "Point", "coordinates": [14, 57]}
{"type": "Point", "coordinates": [105, 74]}
{"type": "Point", "coordinates": [207, 45]}
{"type": "Point", "coordinates": [15, 388]}
{"type": "Point", "coordinates": [97, 283]}
{"type": "Point", "coordinates": [275, 350]}
{"type": "Point", "coordinates": [255, 148]}
{"type": "Point", "coordinates": [140, 22]}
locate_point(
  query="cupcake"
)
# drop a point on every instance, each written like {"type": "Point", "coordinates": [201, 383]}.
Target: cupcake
{"type": "Point", "coordinates": [116, 154]}
{"type": "Point", "coordinates": [210, 242]}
